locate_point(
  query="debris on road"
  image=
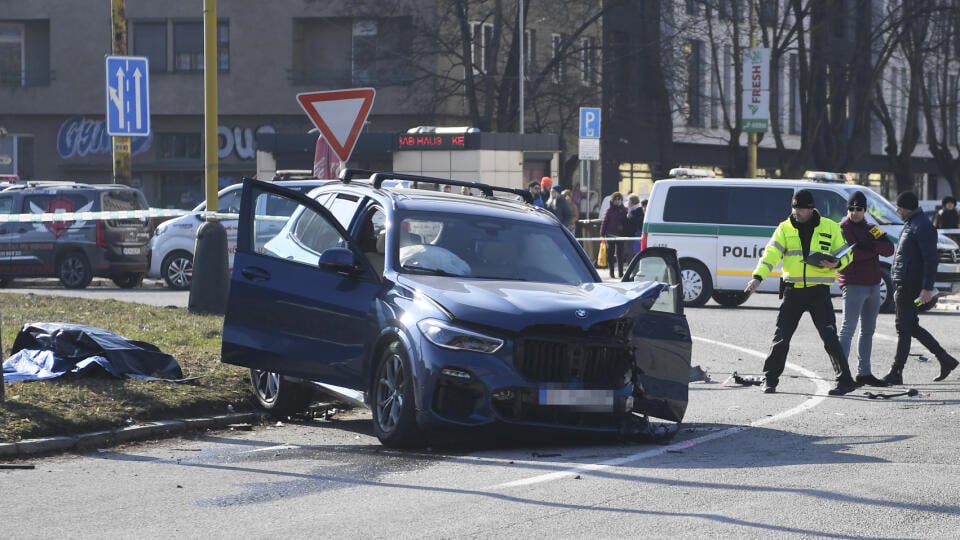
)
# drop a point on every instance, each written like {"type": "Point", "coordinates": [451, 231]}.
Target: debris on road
{"type": "Point", "coordinates": [910, 393]}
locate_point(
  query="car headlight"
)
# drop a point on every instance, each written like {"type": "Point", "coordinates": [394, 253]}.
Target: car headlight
{"type": "Point", "coordinates": [451, 337]}
{"type": "Point", "coordinates": [160, 230]}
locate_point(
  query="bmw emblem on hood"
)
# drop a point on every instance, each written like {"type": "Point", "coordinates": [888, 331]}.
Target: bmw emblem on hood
{"type": "Point", "coordinates": [581, 313]}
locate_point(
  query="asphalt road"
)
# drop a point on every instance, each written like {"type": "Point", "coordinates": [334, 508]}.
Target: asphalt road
{"type": "Point", "coordinates": [744, 464]}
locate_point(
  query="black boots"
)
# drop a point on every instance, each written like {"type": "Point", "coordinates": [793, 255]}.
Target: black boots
{"type": "Point", "coordinates": [947, 364]}
{"type": "Point", "coordinates": [894, 377]}
{"type": "Point", "coordinates": [844, 386]}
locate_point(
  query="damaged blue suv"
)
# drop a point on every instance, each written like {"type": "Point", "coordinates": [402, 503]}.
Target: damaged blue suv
{"type": "Point", "coordinates": [443, 311]}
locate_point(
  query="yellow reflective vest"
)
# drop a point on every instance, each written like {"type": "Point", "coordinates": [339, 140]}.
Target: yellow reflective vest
{"type": "Point", "coordinates": [785, 245]}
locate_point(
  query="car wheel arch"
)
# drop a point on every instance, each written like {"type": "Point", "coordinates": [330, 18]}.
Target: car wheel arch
{"type": "Point", "coordinates": [390, 334]}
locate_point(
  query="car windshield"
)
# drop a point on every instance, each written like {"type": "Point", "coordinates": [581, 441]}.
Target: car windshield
{"type": "Point", "coordinates": [881, 209]}
{"type": "Point", "coordinates": [483, 247]}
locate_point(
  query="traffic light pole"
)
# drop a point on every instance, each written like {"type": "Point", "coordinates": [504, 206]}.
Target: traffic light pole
{"type": "Point", "coordinates": [121, 145]}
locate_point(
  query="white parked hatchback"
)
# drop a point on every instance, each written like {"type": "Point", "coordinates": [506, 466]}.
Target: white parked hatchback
{"type": "Point", "coordinates": [172, 245]}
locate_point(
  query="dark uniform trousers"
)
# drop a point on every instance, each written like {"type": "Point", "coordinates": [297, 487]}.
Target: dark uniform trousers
{"type": "Point", "coordinates": [908, 326]}
{"type": "Point", "coordinates": [796, 302]}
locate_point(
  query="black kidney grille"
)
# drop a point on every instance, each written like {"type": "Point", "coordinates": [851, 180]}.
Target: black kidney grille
{"type": "Point", "coordinates": [602, 365]}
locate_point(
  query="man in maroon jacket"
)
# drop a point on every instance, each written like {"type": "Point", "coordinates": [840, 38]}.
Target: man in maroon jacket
{"type": "Point", "coordinates": [860, 283]}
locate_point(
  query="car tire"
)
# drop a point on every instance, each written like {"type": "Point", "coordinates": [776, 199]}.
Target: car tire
{"type": "Point", "coordinates": [74, 270]}
{"type": "Point", "coordinates": [392, 402]}
{"type": "Point", "coordinates": [886, 292]}
{"type": "Point", "coordinates": [128, 280]}
{"type": "Point", "coordinates": [730, 298]}
{"type": "Point", "coordinates": [279, 395]}
{"type": "Point", "coordinates": [697, 283]}
{"type": "Point", "coordinates": [177, 270]}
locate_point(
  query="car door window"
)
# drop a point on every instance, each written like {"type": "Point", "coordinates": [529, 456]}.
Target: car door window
{"type": "Point", "coordinates": [229, 203]}
{"type": "Point", "coordinates": [6, 205]}
{"type": "Point", "coordinates": [300, 237]}
{"type": "Point", "coordinates": [343, 207]}
{"type": "Point", "coordinates": [830, 204]}
{"type": "Point", "coordinates": [658, 269]}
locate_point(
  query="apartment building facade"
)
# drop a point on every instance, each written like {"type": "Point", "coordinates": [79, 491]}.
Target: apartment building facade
{"type": "Point", "coordinates": [53, 88]}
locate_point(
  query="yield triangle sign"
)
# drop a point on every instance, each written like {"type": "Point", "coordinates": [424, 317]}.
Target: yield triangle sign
{"type": "Point", "coordinates": [339, 115]}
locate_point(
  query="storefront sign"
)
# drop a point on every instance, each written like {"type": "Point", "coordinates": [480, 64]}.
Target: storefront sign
{"type": "Point", "coordinates": [239, 140]}
{"type": "Point", "coordinates": [81, 137]}
{"type": "Point", "coordinates": [434, 141]}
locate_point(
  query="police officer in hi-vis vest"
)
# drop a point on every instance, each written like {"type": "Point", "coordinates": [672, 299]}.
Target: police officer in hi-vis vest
{"type": "Point", "coordinates": [805, 287]}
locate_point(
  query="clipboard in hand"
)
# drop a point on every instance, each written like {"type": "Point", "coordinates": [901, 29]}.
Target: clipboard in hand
{"type": "Point", "coordinates": [815, 257]}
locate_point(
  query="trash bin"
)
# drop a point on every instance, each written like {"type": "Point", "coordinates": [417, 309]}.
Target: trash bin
{"type": "Point", "coordinates": [588, 230]}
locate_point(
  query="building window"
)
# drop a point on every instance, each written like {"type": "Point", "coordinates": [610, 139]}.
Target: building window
{"type": "Point", "coordinates": [181, 41]}
{"type": "Point", "coordinates": [695, 72]}
{"type": "Point", "coordinates": [150, 40]}
{"type": "Point", "coordinates": [693, 7]}
{"type": "Point", "coordinates": [588, 61]}
{"type": "Point", "coordinates": [794, 121]}
{"type": "Point", "coordinates": [25, 53]}
{"type": "Point", "coordinates": [952, 111]}
{"type": "Point", "coordinates": [556, 41]}
{"type": "Point", "coordinates": [12, 55]}
{"type": "Point", "coordinates": [481, 47]}
{"type": "Point", "coordinates": [529, 49]}
{"type": "Point", "coordinates": [380, 52]}
{"type": "Point", "coordinates": [179, 146]}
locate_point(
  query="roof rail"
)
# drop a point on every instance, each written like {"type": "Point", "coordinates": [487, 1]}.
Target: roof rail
{"type": "Point", "coordinates": [828, 177]}
{"type": "Point", "coordinates": [685, 172]}
{"type": "Point", "coordinates": [379, 177]}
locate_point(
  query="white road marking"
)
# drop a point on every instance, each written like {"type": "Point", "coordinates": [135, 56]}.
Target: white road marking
{"type": "Point", "coordinates": [268, 448]}
{"type": "Point", "coordinates": [819, 397]}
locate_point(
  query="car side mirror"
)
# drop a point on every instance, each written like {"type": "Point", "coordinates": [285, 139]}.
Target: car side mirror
{"type": "Point", "coordinates": [338, 259]}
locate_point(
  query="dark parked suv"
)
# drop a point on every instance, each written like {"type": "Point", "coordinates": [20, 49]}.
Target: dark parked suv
{"type": "Point", "coordinates": [98, 240]}
{"type": "Point", "coordinates": [445, 311]}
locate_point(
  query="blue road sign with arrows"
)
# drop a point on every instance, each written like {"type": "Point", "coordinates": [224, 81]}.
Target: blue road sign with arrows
{"type": "Point", "coordinates": [128, 96]}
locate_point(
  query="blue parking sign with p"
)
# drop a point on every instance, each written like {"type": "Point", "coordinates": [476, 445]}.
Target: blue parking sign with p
{"type": "Point", "coordinates": [128, 96]}
{"type": "Point", "coordinates": [589, 122]}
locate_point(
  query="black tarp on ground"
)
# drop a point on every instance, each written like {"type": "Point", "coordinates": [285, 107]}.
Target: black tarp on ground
{"type": "Point", "coordinates": [44, 350]}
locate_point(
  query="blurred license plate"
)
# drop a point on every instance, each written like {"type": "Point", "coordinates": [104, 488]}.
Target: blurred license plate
{"type": "Point", "coordinates": [578, 398]}
{"type": "Point", "coordinates": [131, 251]}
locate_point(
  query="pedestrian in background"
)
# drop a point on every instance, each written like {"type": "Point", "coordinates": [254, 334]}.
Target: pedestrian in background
{"type": "Point", "coordinates": [914, 271]}
{"type": "Point", "coordinates": [947, 217]}
{"type": "Point", "coordinates": [634, 222]}
{"type": "Point", "coordinates": [612, 225]}
{"type": "Point", "coordinates": [860, 283]}
{"type": "Point", "coordinates": [534, 188]}
{"type": "Point", "coordinates": [574, 211]}
{"type": "Point", "coordinates": [558, 205]}
{"type": "Point", "coordinates": [805, 288]}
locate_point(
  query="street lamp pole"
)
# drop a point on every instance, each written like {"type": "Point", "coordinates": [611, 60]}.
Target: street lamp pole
{"type": "Point", "coordinates": [522, 67]}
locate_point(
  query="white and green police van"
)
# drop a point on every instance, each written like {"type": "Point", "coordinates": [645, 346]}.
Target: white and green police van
{"type": "Point", "coordinates": [720, 227]}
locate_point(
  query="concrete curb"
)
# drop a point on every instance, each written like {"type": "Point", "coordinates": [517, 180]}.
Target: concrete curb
{"type": "Point", "coordinates": [102, 439]}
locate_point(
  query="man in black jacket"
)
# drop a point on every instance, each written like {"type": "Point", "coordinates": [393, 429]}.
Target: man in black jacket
{"type": "Point", "coordinates": [914, 270]}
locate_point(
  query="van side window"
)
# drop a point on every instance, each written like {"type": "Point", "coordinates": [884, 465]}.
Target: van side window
{"type": "Point", "coordinates": [6, 205]}
{"type": "Point", "coordinates": [830, 204]}
{"type": "Point", "coordinates": [727, 205]}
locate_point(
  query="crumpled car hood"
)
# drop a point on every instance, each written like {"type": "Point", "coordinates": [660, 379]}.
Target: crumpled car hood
{"type": "Point", "coordinates": [661, 343]}
{"type": "Point", "coordinates": [514, 305]}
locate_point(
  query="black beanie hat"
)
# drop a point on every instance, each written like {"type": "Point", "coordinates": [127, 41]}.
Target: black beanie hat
{"type": "Point", "coordinates": [908, 200]}
{"type": "Point", "coordinates": [803, 199]}
{"type": "Point", "coordinates": [857, 198]}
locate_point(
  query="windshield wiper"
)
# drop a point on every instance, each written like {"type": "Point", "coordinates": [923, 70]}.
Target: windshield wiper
{"type": "Point", "coordinates": [427, 270]}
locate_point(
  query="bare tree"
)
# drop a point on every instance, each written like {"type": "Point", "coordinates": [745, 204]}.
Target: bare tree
{"type": "Point", "coordinates": [940, 96]}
